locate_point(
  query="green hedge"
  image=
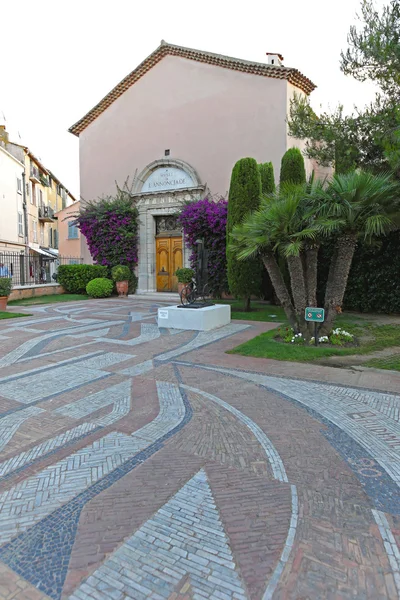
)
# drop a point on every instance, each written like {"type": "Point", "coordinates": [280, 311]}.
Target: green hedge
{"type": "Point", "coordinates": [100, 288]}
{"type": "Point", "coordinates": [74, 278]}
{"type": "Point", "coordinates": [374, 280]}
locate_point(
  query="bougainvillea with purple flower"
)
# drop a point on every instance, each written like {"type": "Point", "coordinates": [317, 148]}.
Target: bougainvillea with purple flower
{"type": "Point", "coordinates": [110, 226]}
{"type": "Point", "coordinates": [206, 219]}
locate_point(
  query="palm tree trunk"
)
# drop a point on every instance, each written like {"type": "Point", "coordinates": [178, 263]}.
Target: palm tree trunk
{"type": "Point", "coordinates": [311, 264]}
{"type": "Point", "coordinates": [335, 290]}
{"type": "Point", "coordinates": [280, 287]}
{"type": "Point", "coordinates": [331, 275]}
{"type": "Point", "coordinates": [298, 285]}
{"type": "Point", "coordinates": [310, 275]}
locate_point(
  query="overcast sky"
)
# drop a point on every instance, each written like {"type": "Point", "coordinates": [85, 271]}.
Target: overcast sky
{"type": "Point", "coordinates": [58, 58]}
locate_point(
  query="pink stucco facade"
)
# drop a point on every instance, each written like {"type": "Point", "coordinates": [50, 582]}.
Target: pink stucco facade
{"type": "Point", "coordinates": [67, 246]}
{"type": "Point", "coordinates": [205, 115]}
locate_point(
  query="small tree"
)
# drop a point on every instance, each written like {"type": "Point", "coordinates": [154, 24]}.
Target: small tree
{"type": "Point", "coordinates": [244, 277]}
{"type": "Point", "coordinates": [267, 177]}
{"type": "Point", "coordinates": [292, 167]}
{"type": "Point", "coordinates": [369, 138]}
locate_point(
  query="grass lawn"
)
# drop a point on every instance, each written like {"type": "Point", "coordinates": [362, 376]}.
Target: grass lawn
{"type": "Point", "coordinates": [371, 338]}
{"type": "Point", "coordinates": [48, 299]}
{"type": "Point", "coordinates": [10, 315]}
{"type": "Point", "coordinates": [259, 311]}
{"type": "Point", "coordinates": [389, 362]}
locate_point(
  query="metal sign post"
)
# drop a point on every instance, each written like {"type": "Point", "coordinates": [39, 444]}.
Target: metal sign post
{"type": "Point", "coordinates": [315, 315]}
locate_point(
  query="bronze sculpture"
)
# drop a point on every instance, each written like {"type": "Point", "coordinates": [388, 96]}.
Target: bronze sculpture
{"type": "Point", "coordinates": [196, 294]}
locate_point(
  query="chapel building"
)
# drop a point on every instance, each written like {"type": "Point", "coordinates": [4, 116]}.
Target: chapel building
{"type": "Point", "coordinates": [175, 126]}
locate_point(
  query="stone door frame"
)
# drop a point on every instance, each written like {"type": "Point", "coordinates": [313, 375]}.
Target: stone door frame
{"type": "Point", "coordinates": [154, 204]}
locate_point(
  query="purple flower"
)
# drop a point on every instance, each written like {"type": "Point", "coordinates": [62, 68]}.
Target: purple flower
{"type": "Point", "coordinates": [206, 219]}
{"type": "Point", "coordinates": [110, 227]}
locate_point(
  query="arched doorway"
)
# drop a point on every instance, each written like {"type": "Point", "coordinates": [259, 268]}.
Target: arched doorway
{"type": "Point", "coordinates": [169, 253]}
{"type": "Point", "coordinates": [162, 187]}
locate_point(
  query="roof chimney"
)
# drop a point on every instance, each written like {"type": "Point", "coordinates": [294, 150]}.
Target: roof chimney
{"type": "Point", "coordinates": [275, 59]}
{"type": "Point", "coordinates": [3, 134]}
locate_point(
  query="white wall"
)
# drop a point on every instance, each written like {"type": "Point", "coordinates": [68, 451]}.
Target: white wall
{"type": "Point", "coordinates": [10, 199]}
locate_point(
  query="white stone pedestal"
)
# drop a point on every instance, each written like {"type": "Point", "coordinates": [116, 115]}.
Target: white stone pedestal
{"type": "Point", "coordinates": [197, 319]}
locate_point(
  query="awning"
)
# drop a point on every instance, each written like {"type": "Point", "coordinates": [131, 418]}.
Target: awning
{"type": "Point", "coordinates": [53, 253]}
{"type": "Point", "coordinates": [43, 252]}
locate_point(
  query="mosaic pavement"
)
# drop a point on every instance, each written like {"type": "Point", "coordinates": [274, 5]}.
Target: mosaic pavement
{"type": "Point", "coordinates": [140, 462]}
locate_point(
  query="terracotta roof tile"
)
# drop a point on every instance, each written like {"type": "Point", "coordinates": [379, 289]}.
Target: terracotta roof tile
{"type": "Point", "coordinates": [293, 76]}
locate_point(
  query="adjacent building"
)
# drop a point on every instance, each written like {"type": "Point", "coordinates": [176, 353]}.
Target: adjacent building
{"type": "Point", "coordinates": [12, 233]}
{"type": "Point", "coordinates": [175, 126]}
{"type": "Point", "coordinates": [30, 196]}
{"type": "Point", "coordinates": [69, 236]}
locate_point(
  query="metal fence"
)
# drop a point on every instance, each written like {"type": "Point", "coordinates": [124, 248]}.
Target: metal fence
{"type": "Point", "coordinates": [33, 268]}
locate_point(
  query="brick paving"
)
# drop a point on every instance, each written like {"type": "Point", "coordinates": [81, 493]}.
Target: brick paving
{"type": "Point", "coordinates": [140, 462]}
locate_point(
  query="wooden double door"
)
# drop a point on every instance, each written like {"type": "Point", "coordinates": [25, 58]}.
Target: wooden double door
{"type": "Point", "coordinates": [169, 258]}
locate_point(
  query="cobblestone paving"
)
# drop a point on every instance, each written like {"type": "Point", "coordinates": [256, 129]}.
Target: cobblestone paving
{"type": "Point", "coordinates": [141, 462]}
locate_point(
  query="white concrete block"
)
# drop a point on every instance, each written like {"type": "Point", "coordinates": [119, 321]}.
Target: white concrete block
{"type": "Point", "coordinates": [196, 319]}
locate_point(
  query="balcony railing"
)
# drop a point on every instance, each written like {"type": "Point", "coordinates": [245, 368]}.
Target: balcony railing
{"type": "Point", "coordinates": [46, 214]}
{"type": "Point", "coordinates": [34, 174]}
{"type": "Point", "coordinates": [44, 180]}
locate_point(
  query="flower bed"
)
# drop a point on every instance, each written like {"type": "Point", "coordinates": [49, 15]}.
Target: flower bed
{"type": "Point", "coordinates": [338, 337]}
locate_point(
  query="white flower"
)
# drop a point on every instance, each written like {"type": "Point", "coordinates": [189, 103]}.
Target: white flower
{"type": "Point", "coordinates": [343, 333]}
{"type": "Point", "coordinates": [322, 340]}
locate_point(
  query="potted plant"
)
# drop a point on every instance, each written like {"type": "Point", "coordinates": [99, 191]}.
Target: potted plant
{"type": "Point", "coordinates": [5, 291]}
{"type": "Point", "coordinates": [121, 275]}
{"type": "Point", "coordinates": [185, 276]}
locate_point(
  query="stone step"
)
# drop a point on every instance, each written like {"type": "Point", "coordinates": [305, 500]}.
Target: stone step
{"type": "Point", "coordinates": [157, 296]}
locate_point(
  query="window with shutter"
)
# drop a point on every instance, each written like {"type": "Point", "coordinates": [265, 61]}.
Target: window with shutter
{"type": "Point", "coordinates": [72, 231]}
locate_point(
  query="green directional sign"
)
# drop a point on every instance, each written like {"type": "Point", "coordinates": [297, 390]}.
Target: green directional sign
{"type": "Point", "coordinates": [315, 314]}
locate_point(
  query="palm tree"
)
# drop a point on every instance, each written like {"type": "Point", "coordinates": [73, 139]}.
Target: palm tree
{"type": "Point", "coordinates": [360, 205]}
{"type": "Point", "coordinates": [292, 223]}
{"type": "Point", "coordinates": [286, 224]}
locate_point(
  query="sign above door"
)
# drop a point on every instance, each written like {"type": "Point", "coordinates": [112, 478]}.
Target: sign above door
{"type": "Point", "coordinates": [167, 178]}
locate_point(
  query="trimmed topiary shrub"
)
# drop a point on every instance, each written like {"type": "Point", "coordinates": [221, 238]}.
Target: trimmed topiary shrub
{"type": "Point", "coordinates": [100, 288]}
{"type": "Point", "coordinates": [267, 177]}
{"type": "Point", "coordinates": [244, 276]}
{"type": "Point", "coordinates": [120, 273]}
{"type": "Point", "coordinates": [124, 273]}
{"type": "Point", "coordinates": [185, 275]}
{"type": "Point", "coordinates": [292, 167]}
{"type": "Point", "coordinates": [74, 278]}
{"type": "Point", "coordinates": [5, 286]}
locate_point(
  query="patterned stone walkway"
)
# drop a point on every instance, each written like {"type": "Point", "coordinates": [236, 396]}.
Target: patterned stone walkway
{"type": "Point", "coordinates": [140, 462]}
